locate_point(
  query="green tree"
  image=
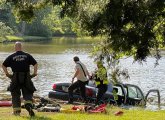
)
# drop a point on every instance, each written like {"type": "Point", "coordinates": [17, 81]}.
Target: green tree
{"type": "Point", "coordinates": [132, 27]}
{"type": "Point", "coordinates": [5, 30]}
{"type": "Point", "coordinates": [58, 25]}
{"type": "Point", "coordinates": [6, 15]}
{"type": "Point", "coordinates": [37, 27]}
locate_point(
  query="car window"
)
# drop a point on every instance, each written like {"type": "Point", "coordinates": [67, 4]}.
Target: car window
{"type": "Point", "coordinates": [65, 88]}
{"type": "Point", "coordinates": [119, 90]}
{"type": "Point", "coordinates": [134, 92]}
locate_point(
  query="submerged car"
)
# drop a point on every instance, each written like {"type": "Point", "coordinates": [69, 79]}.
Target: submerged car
{"type": "Point", "coordinates": [126, 94]}
{"type": "Point", "coordinates": [60, 91]}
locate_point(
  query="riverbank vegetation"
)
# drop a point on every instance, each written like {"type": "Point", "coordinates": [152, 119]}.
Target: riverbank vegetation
{"type": "Point", "coordinates": [137, 114]}
{"type": "Point", "coordinates": [87, 39]}
{"type": "Point", "coordinates": [11, 38]}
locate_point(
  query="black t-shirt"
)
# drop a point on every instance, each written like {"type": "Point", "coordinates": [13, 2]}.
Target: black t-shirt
{"type": "Point", "coordinates": [19, 61]}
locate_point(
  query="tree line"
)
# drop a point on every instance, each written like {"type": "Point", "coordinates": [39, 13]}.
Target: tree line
{"type": "Point", "coordinates": [47, 23]}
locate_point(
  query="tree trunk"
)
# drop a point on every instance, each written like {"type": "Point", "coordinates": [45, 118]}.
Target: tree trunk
{"type": "Point", "coordinates": [23, 26]}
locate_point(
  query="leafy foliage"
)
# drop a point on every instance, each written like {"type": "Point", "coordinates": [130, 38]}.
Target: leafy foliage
{"type": "Point", "coordinates": [36, 27]}
{"type": "Point", "coordinates": [129, 25]}
{"type": "Point", "coordinates": [56, 24]}
{"type": "Point", "coordinates": [5, 30]}
{"type": "Point", "coordinates": [24, 9]}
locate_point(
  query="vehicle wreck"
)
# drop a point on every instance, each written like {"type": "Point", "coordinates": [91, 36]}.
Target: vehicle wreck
{"type": "Point", "coordinates": [126, 94]}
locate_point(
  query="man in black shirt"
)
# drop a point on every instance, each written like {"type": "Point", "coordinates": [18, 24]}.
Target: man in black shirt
{"type": "Point", "coordinates": [20, 63]}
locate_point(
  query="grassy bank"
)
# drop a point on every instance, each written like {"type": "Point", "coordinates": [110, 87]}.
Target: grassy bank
{"type": "Point", "coordinates": [23, 38]}
{"type": "Point", "coordinates": [5, 114]}
{"type": "Point", "coordinates": [38, 38]}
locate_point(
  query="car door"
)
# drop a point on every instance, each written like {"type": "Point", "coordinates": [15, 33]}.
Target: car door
{"type": "Point", "coordinates": [120, 92]}
{"type": "Point", "coordinates": [134, 95]}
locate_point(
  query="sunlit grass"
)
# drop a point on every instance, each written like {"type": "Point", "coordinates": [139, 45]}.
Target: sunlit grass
{"type": "Point", "coordinates": [138, 114]}
{"type": "Point", "coordinates": [14, 38]}
{"type": "Point", "coordinates": [34, 38]}
{"type": "Point", "coordinates": [25, 38]}
{"type": "Point", "coordinates": [11, 38]}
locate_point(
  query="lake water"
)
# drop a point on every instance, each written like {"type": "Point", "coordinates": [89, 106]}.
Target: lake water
{"type": "Point", "coordinates": [55, 59]}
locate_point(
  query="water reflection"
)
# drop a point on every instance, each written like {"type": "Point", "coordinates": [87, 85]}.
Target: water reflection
{"type": "Point", "coordinates": [57, 45]}
{"type": "Point", "coordinates": [146, 76]}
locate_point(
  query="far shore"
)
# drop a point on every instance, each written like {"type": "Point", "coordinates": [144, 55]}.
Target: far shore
{"type": "Point", "coordinates": [10, 39]}
{"type": "Point", "coordinates": [24, 39]}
